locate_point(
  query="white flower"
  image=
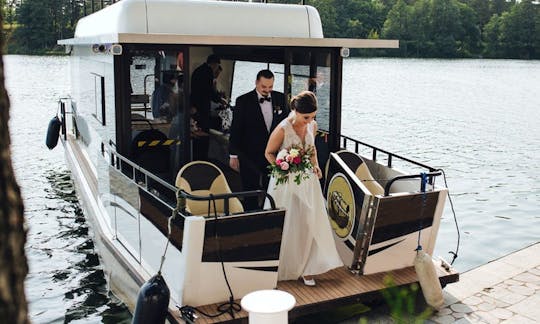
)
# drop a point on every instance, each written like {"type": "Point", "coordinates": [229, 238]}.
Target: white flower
{"type": "Point", "coordinates": [294, 152]}
{"type": "Point", "coordinates": [281, 154]}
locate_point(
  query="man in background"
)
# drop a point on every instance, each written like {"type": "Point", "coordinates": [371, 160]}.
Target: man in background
{"type": "Point", "coordinates": [203, 92]}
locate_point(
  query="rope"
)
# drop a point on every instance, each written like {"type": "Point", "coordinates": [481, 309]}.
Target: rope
{"type": "Point", "coordinates": [230, 306]}
{"type": "Point", "coordinates": [180, 206]}
{"type": "Point", "coordinates": [423, 183]}
{"type": "Point", "coordinates": [454, 254]}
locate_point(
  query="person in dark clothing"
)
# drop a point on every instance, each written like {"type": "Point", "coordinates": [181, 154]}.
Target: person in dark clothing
{"type": "Point", "coordinates": [164, 99]}
{"type": "Point", "coordinates": [203, 92]}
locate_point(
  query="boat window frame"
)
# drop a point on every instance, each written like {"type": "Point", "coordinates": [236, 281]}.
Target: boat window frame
{"type": "Point", "coordinates": [122, 66]}
{"type": "Point", "coordinates": [99, 105]}
{"type": "Point", "coordinates": [123, 93]}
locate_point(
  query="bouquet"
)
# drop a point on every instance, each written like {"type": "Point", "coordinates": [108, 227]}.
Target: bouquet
{"type": "Point", "coordinates": [294, 160]}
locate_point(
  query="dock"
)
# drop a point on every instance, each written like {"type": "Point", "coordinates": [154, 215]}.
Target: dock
{"type": "Point", "coordinates": [505, 290]}
{"type": "Point", "coordinates": [336, 288]}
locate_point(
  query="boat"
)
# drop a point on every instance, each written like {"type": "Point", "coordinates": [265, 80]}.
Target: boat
{"type": "Point", "coordinates": [153, 209]}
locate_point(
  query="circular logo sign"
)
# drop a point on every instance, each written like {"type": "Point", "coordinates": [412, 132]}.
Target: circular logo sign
{"type": "Point", "coordinates": [341, 206]}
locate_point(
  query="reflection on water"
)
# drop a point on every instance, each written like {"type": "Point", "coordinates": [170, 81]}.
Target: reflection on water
{"type": "Point", "coordinates": [66, 282]}
{"type": "Point", "coordinates": [477, 119]}
{"type": "Point", "coordinates": [69, 270]}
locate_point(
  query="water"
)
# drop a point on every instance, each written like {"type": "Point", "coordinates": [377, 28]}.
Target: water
{"type": "Point", "coordinates": [66, 283]}
{"type": "Point", "coordinates": [479, 120]}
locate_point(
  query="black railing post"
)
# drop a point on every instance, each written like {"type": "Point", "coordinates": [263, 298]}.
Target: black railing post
{"type": "Point", "coordinates": [63, 114]}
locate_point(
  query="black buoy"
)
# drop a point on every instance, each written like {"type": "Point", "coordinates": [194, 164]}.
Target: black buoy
{"type": "Point", "coordinates": [53, 132]}
{"type": "Point", "coordinates": [152, 302]}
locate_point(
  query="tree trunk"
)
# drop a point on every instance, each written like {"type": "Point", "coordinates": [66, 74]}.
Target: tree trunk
{"type": "Point", "coordinates": [13, 266]}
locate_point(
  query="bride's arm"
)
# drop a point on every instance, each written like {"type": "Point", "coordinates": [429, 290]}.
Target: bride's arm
{"type": "Point", "coordinates": [314, 160]}
{"type": "Point", "coordinates": [274, 143]}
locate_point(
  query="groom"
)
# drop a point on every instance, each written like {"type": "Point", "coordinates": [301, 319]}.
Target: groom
{"type": "Point", "coordinates": [255, 116]}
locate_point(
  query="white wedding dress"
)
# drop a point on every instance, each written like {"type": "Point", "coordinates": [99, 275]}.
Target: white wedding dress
{"type": "Point", "coordinates": [307, 244]}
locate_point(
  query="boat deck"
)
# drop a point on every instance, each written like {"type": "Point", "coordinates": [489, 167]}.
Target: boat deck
{"type": "Point", "coordinates": [338, 287]}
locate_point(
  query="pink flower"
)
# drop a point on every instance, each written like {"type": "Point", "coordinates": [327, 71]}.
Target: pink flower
{"type": "Point", "coordinates": [289, 158]}
{"type": "Point", "coordinates": [278, 161]}
{"type": "Point", "coordinates": [284, 166]}
{"type": "Point", "coordinates": [297, 160]}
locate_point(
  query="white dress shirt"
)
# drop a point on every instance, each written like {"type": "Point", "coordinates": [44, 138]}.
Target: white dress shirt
{"type": "Point", "coordinates": [266, 109]}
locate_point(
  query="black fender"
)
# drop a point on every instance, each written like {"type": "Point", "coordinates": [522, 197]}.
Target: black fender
{"type": "Point", "coordinates": [53, 132]}
{"type": "Point", "coordinates": [152, 302]}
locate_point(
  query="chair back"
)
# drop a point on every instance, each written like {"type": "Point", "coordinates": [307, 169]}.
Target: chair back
{"type": "Point", "coordinates": [357, 164]}
{"type": "Point", "coordinates": [202, 178]}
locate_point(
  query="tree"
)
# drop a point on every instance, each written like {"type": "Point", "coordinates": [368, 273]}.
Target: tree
{"type": "Point", "coordinates": [491, 36]}
{"type": "Point", "coordinates": [470, 42]}
{"type": "Point", "coordinates": [519, 31]}
{"type": "Point", "coordinates": [421, 28]}
{"type": "Point", "coordinates": [498, 7]}
{"type": "Point", "coordinates": [445, 28]}
{"type": "Point", "coordinates": [328, 16]}
{"type": "Point", "coordinates": [42, 23]}
{"type": "Point", "coordinates": [14, 267]}
{"type": "Point", "coordinates": [397, 25]}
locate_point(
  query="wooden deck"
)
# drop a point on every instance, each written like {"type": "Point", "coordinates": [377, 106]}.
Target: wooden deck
{"type": "Point", "coordinates": [338, 287]}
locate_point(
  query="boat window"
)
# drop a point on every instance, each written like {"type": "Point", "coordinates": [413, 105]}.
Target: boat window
{"type": "Point", "coordinates": [99, 98]}
{"type": "Point", "coordinates": [142, 84]}
{"type": "Point", "coordinates": [312, 72]}
{"type": "Point", "coordinates": [245, 73]}
{"type": "Point", "coordinates": [157, 111]}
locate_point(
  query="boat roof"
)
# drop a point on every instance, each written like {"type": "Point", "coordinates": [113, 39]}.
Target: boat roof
{"type": "Point", "coordinates": [208, 22]}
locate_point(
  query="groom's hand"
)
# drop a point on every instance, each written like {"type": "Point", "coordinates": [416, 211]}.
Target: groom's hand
{"type": "Point", "coordinates": [234, 163]}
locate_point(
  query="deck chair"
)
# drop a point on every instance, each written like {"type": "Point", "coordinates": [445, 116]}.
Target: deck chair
{"type": "Point", "coordinates": [360, 169]}
{"type": "Point", "coordinates": [203, 178]}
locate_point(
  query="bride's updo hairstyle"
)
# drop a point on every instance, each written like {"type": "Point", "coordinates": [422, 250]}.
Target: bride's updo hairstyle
{"type": "Point", "coordinates": [304, 103]}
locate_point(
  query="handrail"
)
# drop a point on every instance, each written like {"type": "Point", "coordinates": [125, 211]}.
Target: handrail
{"type": "Point", "coordinates": [227, 196]}
{"type": "Point", "coordinates": [391, 155]}
{"type": "Point", "coordinates": [117, 160]}
{"type": "Point", "coordinates": [409, 176]}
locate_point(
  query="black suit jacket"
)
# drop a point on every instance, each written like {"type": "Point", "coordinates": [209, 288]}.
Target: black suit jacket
{"type": "Point", "coordinates": [202, 92]}
{"type": "Point", "coordinates": [249, 135]}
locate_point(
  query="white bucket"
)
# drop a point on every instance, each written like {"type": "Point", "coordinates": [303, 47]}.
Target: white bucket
{"type": "Point", "coordinates": [268, 306]}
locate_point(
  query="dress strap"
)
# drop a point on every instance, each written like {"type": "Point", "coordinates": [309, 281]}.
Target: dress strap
{"type": "Point", "coordinates": [310, 135]}
{"type": "Point", "coordinates": [287, 126]}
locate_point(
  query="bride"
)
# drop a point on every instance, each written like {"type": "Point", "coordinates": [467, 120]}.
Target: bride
{"type": "Point", "coordinates": [307, 246]}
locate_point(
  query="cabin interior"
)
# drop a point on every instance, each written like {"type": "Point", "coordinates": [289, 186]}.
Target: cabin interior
{"type": "Point", "coordinates": [163, 144]}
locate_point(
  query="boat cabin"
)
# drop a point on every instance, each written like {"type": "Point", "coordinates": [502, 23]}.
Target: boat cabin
{"type": "Point", "coordinates": [130, 153]}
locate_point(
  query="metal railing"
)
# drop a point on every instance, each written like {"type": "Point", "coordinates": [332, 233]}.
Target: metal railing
{"type": "Point", "coordinates": [375, 151]}
{"type": "Point", "coordinates": [146, 180]}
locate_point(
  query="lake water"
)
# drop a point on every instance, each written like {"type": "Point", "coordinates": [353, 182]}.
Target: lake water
{"type": "Point", "coordinates": [479, 120]}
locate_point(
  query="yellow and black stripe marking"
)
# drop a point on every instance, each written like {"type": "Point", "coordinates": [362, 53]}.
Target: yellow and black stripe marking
{"type": "Point", "coordinates": [154, 143]}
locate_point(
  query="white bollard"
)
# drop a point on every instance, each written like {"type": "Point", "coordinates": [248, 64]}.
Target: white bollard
{"type": "Point", "coordinates": [268, 306]}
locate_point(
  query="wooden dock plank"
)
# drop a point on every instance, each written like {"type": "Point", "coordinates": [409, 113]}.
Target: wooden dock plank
{"type": "Point", "coordinates": [335, 288]}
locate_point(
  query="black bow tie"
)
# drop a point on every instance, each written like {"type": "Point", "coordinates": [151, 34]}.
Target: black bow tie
{"type": "Point", "coordinates": [265, 98]}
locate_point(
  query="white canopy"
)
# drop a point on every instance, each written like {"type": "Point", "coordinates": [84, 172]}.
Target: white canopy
{"type": "Point", "coordinates": [209, 22]}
